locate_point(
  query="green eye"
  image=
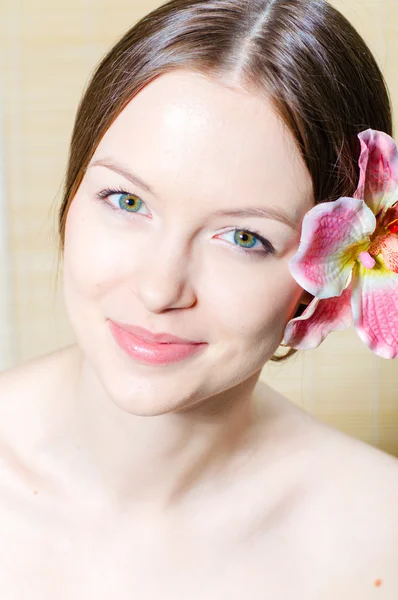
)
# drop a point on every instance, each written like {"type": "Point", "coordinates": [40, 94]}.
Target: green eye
{"type": "Point", "coordinates": [127, 203]}
{"type": "Point", "coordinates": [248, 239]}
{"type": "Point", "coordinates": [130, 202]}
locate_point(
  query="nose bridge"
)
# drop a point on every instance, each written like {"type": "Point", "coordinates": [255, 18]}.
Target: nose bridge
{"type": "Point", "coordinates": [164, 280]}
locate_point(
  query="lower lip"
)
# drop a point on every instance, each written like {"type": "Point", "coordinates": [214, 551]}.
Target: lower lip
{"type": "Point", "coordinates": [153, 354]}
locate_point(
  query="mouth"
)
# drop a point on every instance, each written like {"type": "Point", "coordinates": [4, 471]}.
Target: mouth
{"type": "Point", "coordinates": [155, 338]}
{"type": "Point", "coordinates": [154, 353]}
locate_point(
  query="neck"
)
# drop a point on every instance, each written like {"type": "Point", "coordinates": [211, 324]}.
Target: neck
{"type": "Point", "coordinates": [158, 459]}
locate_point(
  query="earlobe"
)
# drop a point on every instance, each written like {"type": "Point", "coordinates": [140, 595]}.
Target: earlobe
{"type": "Point", "coordinates": [306, 298]}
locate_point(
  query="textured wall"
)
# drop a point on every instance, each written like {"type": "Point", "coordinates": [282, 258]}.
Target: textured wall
{"type": "Point", "coordinates": [48, 50]}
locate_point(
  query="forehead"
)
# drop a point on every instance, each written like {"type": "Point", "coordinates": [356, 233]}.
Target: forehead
{"type": "Point", "coordinates": [184, 129]}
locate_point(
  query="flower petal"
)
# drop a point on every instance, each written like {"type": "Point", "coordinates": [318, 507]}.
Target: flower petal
{"type": "Point", "coordinates": [374, 303]}
{"type": "Point", "coordinates": [333, 235]}
{"type": "Point", "coordinates": [378, 164]}
{"type": "Point", "coordinates": [319, 318]}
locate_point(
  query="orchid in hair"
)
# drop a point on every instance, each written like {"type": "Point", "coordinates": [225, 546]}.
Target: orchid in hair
{"type": "Point", "coordinates": [348, 257]}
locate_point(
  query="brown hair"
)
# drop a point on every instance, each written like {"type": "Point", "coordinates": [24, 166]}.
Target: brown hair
{"type": "Point", "coordinates": [303, 54]}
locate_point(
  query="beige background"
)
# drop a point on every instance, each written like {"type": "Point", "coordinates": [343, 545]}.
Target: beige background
{"type": "Point", "coordinates": [48, 49]}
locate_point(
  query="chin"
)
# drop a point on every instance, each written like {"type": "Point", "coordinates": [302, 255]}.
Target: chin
{"type": "Point", "coordinates": [145, 401]}
{"type": "Point", "coordinates": [138, 409]}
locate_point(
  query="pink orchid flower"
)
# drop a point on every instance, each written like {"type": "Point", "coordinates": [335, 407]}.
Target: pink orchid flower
{"type": "Point", "coordinates": [348, 257]}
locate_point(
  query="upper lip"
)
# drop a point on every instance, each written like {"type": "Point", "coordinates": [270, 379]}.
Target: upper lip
{"type": "Point", "coordinates": [160, 338]}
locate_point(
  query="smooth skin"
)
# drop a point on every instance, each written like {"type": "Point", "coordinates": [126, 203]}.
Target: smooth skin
{"type": "Point", "coordinates": [194, 480]}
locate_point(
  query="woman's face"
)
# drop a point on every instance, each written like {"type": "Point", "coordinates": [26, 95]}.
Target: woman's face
{"type": "Point", "coordinates": [168, 260]}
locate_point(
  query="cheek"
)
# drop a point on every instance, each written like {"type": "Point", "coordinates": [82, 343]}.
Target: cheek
{"type": "Point", "coordinates": [256, 301]}
{"type": "Point", "coordinates": [91, 254]}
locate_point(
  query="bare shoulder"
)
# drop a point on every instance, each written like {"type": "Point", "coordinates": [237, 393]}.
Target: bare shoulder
{"type": "Point", "coordinates": [40, 370]}
{"type": "Point", "coordinates": [344, 464]}
{"type": "Point", "coordinates": [346, 515]}
{"type": "Point", "coordinates": [334, 455]}
{"type": "Point", "coordinates": [360, 480]}
{"type": "Point", "coordinates": [357, 493]}
{"type": "Point", "coordinates": [26, 389]}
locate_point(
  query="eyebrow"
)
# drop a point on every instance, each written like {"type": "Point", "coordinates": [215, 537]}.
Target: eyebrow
{"type": "Point", "coordinates": [268, 212]}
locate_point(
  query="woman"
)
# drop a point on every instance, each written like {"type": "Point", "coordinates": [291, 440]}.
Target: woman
{"type": "Point", "coordinates": [134, 469]}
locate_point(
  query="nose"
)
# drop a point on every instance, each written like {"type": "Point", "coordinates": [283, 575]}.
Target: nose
{"type": "Point", "coordinates": [164, 282]}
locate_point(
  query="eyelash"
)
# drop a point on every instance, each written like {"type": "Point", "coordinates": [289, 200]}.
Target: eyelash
{"type": "Point", "coordinates": [268, 247]}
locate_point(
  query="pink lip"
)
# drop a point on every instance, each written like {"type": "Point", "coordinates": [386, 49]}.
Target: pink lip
{"type": "Point", "coordinates": [148, 336]}
{"type": "Point", "coordinates": [154, 353]}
